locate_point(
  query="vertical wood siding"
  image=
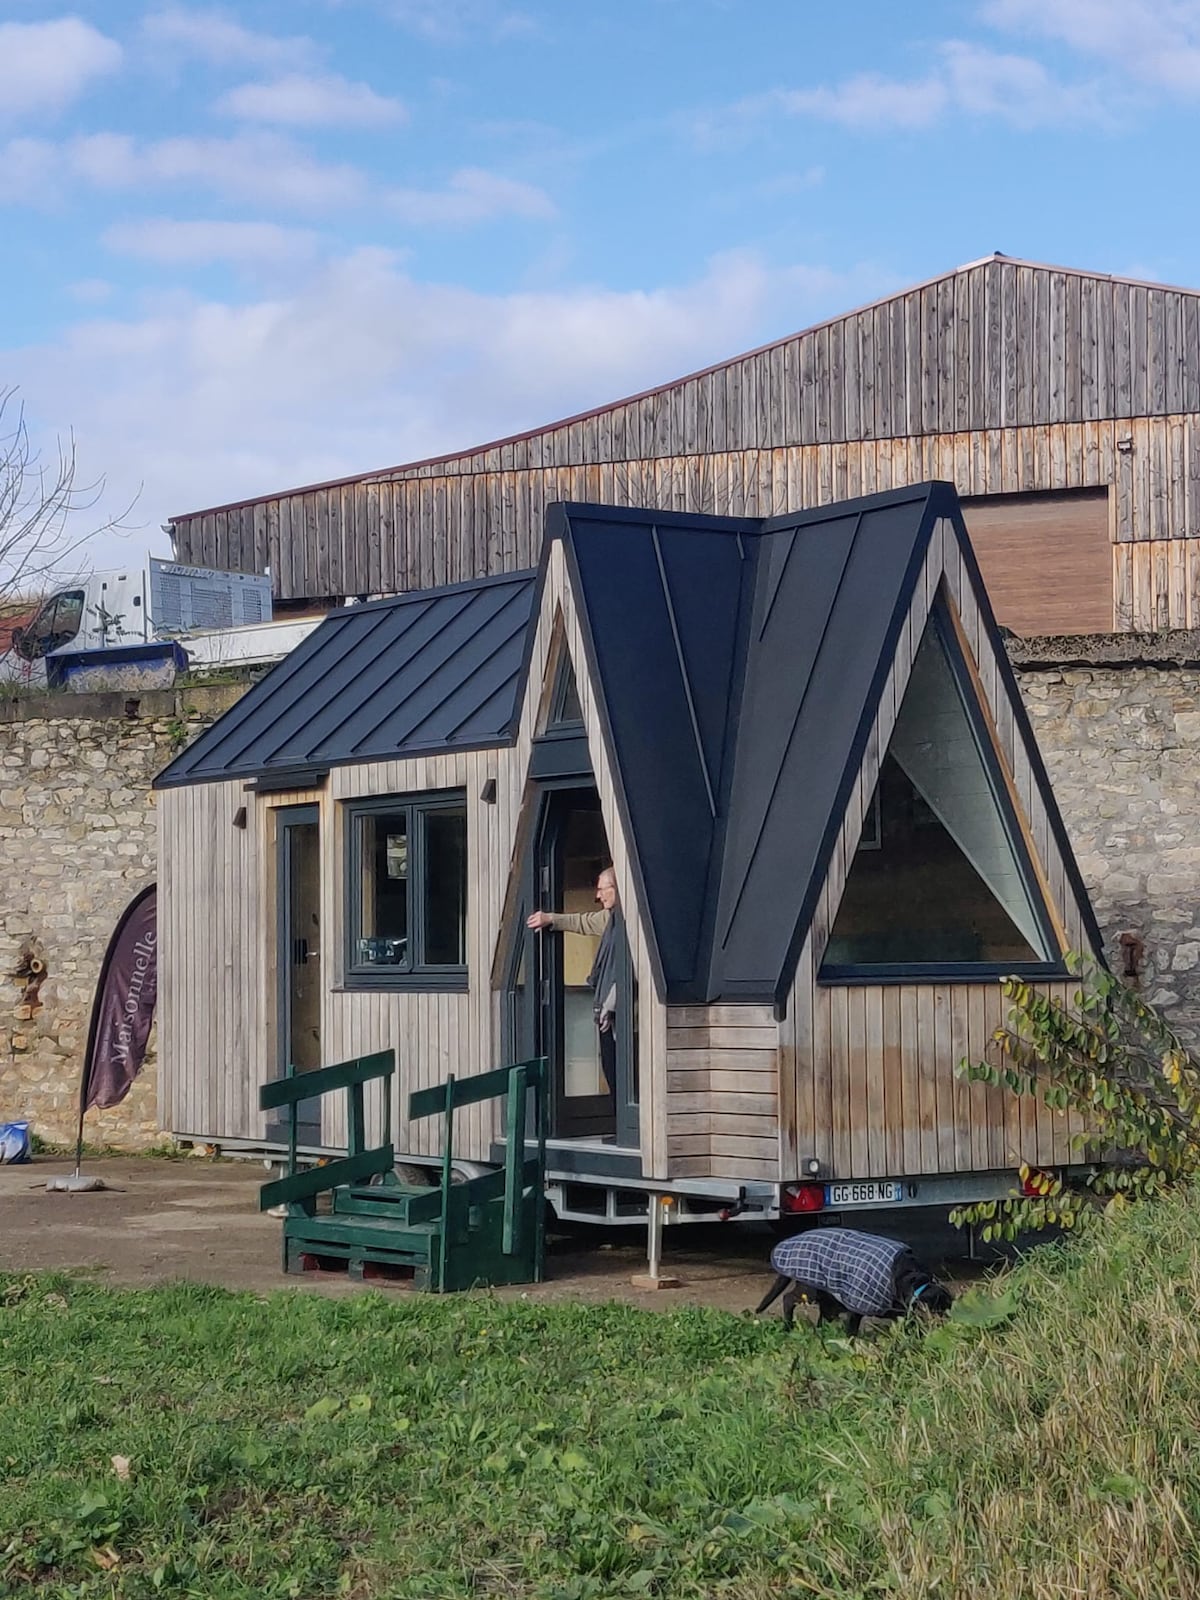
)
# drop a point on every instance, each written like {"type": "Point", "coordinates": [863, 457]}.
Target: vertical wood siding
{"type": "Point", "coordinates": [1002, 378]}
{"type": "Point", "coordinates": [875, 1093]}
{"type": "Point", "coordinates": [218, 984]}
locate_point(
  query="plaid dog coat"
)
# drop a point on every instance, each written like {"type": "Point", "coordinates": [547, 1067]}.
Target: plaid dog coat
{"type": "Point", "coordinates": [857, 1269]}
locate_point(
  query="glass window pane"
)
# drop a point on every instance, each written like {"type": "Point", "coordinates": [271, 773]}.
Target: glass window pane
{"type": "Point", "coordinates": [566, 706]}
{"type": "Point", "coordinates": [936, 877]}
{"type": "Point", "coordinates": [446, 887]}
{"type": "Point", "coordinates": [382, 857]}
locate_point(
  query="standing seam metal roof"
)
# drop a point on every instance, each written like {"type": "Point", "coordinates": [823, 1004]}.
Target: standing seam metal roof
{"type": "Point", "coordinates": [434, 670]}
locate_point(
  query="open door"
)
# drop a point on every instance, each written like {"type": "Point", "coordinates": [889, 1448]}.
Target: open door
{"type": "Point", "coordinates": [298, 879]}
{"type": "Point", "coordinates": [549, 1004]}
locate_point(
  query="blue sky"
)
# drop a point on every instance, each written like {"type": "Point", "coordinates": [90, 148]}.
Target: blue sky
{"type": "Point", "coordinates": [254, 246]}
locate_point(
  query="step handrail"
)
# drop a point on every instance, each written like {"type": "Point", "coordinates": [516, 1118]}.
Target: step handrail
{"type": "Point", "coordinates": [360, 1162]}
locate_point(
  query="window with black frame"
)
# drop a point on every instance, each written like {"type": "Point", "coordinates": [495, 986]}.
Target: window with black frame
{"type": "Point", "coordinates": [406, 884]}
{"type": "Point", "coordinates": [940, 884]}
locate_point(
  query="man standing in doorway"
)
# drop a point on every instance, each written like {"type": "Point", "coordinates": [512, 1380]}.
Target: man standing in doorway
{"type": "Point", "coordinates": [603, 976]}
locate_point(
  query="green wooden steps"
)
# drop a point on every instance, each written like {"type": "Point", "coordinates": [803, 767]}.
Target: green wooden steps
{"type": "Point", "coordinates": [487, 1230]}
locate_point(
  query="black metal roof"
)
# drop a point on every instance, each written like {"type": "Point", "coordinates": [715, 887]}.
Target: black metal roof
{"type": "Point", "coordinates": [439, 669]}
{"type": "Point", "coordinates": [739, 665]}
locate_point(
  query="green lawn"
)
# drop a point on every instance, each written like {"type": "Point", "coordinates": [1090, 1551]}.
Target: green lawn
{"type": "Point", "coordinates": [394, 1445]}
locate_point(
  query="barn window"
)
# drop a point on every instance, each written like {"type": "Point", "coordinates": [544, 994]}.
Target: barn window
{"type": "Point", "coordinates": [407, 892]}
{"type": "Point", "coordinates": [941, 883]}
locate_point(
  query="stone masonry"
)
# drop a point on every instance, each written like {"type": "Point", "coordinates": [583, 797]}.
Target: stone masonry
{"type": "Point", "coordinates": [77, 841]}
{"type": "Point", "coordinates": [1118, 722]}
{"type": "Point", "coordinates": [1122, 745]}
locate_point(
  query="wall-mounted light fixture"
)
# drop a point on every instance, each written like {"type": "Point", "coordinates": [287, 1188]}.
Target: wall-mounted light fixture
{"type": "Point", "coordinates": [1124, 447]}
{"type": "Point", "coordinates": [488, 793]}
{"type": "Point", "coordinates": [239, 817]}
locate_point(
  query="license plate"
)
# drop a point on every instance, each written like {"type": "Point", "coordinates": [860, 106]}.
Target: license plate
{"type": "Point", "coordinates": [863, 1194]}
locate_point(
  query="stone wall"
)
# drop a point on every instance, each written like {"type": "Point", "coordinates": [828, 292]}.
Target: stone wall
{"type": "Point", "coordinates": [77, 841]}
{"type": "Point", "coordinates": [1119, 727]}
{"type": "Point", "coordinates": [1122, 745]}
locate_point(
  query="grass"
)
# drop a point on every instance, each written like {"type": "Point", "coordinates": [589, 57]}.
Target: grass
{"type": "Point", "coordinates": [1042, 1444]}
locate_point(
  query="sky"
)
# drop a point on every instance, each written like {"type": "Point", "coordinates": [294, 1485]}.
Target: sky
{"type": "Point", "coordinates": [249, 247]}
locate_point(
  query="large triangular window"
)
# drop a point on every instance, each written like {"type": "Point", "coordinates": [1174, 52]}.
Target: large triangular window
{"type": "Point", "coordinates": [941, 878]}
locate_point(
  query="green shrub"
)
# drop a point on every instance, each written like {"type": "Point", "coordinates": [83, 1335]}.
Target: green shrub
{"type": "Point", "coordinates": [1113, 1060]}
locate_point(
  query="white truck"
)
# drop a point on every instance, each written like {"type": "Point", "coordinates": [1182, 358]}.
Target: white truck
{"type": "Point", "coordinates": [219, 619]}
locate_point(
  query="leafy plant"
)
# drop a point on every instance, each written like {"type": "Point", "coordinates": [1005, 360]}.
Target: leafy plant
{"type": "Point", "coordinates": [1112, 1060]}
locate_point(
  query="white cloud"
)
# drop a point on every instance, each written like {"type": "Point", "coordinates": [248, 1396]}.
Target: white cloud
{"type": "Point", "coordinates": [1156, 42]}
{"type": "Point", "coordinates": [361, 366]}
{"type": "Point", "coordinates": [44, 66]}
{"type": "Point", "coordinates": [218, 38]}
{"type": "Point", "coordinates": [258, 167]}
{"type": "Point", "coordinates": [470, 195]}
{"type": "Point", "coordinates": [192, 243]}
{"type": "Point", "coordinates": [869, 100]}
{"type": "Point", "coordinates": [1016, 89]}
{"type": "Point", "coordinates": [312, 102]}
{"type": "Point", "coordinates": [965, 80]}
{"type": "Point", "coordinates": [457, 21]}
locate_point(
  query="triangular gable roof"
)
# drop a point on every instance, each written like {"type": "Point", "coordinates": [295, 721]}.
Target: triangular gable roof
{"type": "Point", "coordinates": [434, 670]}
{"type": "Point", "coordinates": [739, 666]}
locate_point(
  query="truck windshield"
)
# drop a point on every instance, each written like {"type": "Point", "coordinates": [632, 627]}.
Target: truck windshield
{"type": "Point", "coordinates": [55, 625]}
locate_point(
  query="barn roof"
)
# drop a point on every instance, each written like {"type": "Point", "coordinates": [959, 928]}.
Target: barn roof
{"type": "Point", "coordinates": [435, 670]}
{"type": "Point", "coordinates": [1053, 305]}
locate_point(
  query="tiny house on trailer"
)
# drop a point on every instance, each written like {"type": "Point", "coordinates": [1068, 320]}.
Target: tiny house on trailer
{"type": "Point", "coordinates": [800, 745]}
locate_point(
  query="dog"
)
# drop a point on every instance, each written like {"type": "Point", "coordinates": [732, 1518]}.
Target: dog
{"type": "Point", "coordinates": [843, 1271]}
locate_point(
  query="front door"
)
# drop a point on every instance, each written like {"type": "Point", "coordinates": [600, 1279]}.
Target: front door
{"type": "Point", "coordinates": [298, 876]}
{"type": "Point", "coordinates": [551, 1006]}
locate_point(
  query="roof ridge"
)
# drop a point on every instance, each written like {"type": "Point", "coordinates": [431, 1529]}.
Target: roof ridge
{"type": "Point", "coordinates": [389, 474]}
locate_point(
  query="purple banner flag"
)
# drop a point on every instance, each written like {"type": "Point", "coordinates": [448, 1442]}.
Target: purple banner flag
{"type": "Point", "coordinates": [124, 1006]}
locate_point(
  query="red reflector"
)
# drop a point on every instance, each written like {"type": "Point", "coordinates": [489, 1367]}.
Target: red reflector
{"type": "Point", "coordinates": [803, 1197]}
{"type": "Point", "coordinates": [1032, 1186]}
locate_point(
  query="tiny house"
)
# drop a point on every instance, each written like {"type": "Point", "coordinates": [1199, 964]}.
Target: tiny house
{"type": "Point", "coordinates": [799, 744]}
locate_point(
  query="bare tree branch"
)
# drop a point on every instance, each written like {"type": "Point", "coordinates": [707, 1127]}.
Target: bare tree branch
{"type": "Point", "coordinates": [43, 525]}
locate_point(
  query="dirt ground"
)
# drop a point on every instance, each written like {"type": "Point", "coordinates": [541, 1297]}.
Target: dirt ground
{"type": "Point", "coordinates": [198, 1219]}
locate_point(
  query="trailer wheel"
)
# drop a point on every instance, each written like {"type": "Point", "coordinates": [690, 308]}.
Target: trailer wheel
{"type": "Point", "coordinates": [415, 1177]}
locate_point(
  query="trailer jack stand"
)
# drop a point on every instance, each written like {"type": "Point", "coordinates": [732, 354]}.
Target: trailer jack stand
{"type": "Point", "coordinates": [653, 1277]}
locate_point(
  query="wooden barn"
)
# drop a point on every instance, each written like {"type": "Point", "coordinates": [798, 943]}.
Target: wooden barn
{"type": "Point", "coordinates": [799, 743]}
{"type": "Point", "coordinates": [1063, 405]}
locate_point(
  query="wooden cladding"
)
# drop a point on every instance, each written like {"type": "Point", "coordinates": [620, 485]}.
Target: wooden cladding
{"type": "Point", "coordinates": [722, 1091]}
{"type": "Point", "coordinates": [1045, 559]}
{"type": "Point", "coordinates": [418, 533]}
{"type": "Point", "coordinates": [1003, 378]}
{"type": "Point", "coordinates": [999, 344]}
{"type": "Point", "coordinates": [867, 1073]}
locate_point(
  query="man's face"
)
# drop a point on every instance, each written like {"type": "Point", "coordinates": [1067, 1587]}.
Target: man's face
{"type": "Point", "coordinates": [606, 890]}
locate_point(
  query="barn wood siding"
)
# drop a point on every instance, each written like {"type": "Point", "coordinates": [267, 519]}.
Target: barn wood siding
{"type": "Point", "coordinates": [416, 533]}
{"type": "Point", "coordinates": [875, 1092]}
{"type": "Point", "coordinates": [1003, 377]}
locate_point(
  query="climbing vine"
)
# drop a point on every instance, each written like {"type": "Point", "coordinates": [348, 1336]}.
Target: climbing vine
{"type": "Point", "coordinates": [1111, 1060]}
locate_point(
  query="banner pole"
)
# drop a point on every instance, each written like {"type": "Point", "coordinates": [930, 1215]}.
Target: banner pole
{"type": "Point", "coordinates": [79, 1140]}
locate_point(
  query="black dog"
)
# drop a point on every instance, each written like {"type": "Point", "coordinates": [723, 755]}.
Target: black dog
{"type": "Point", "coordinates": [840, 1270]}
